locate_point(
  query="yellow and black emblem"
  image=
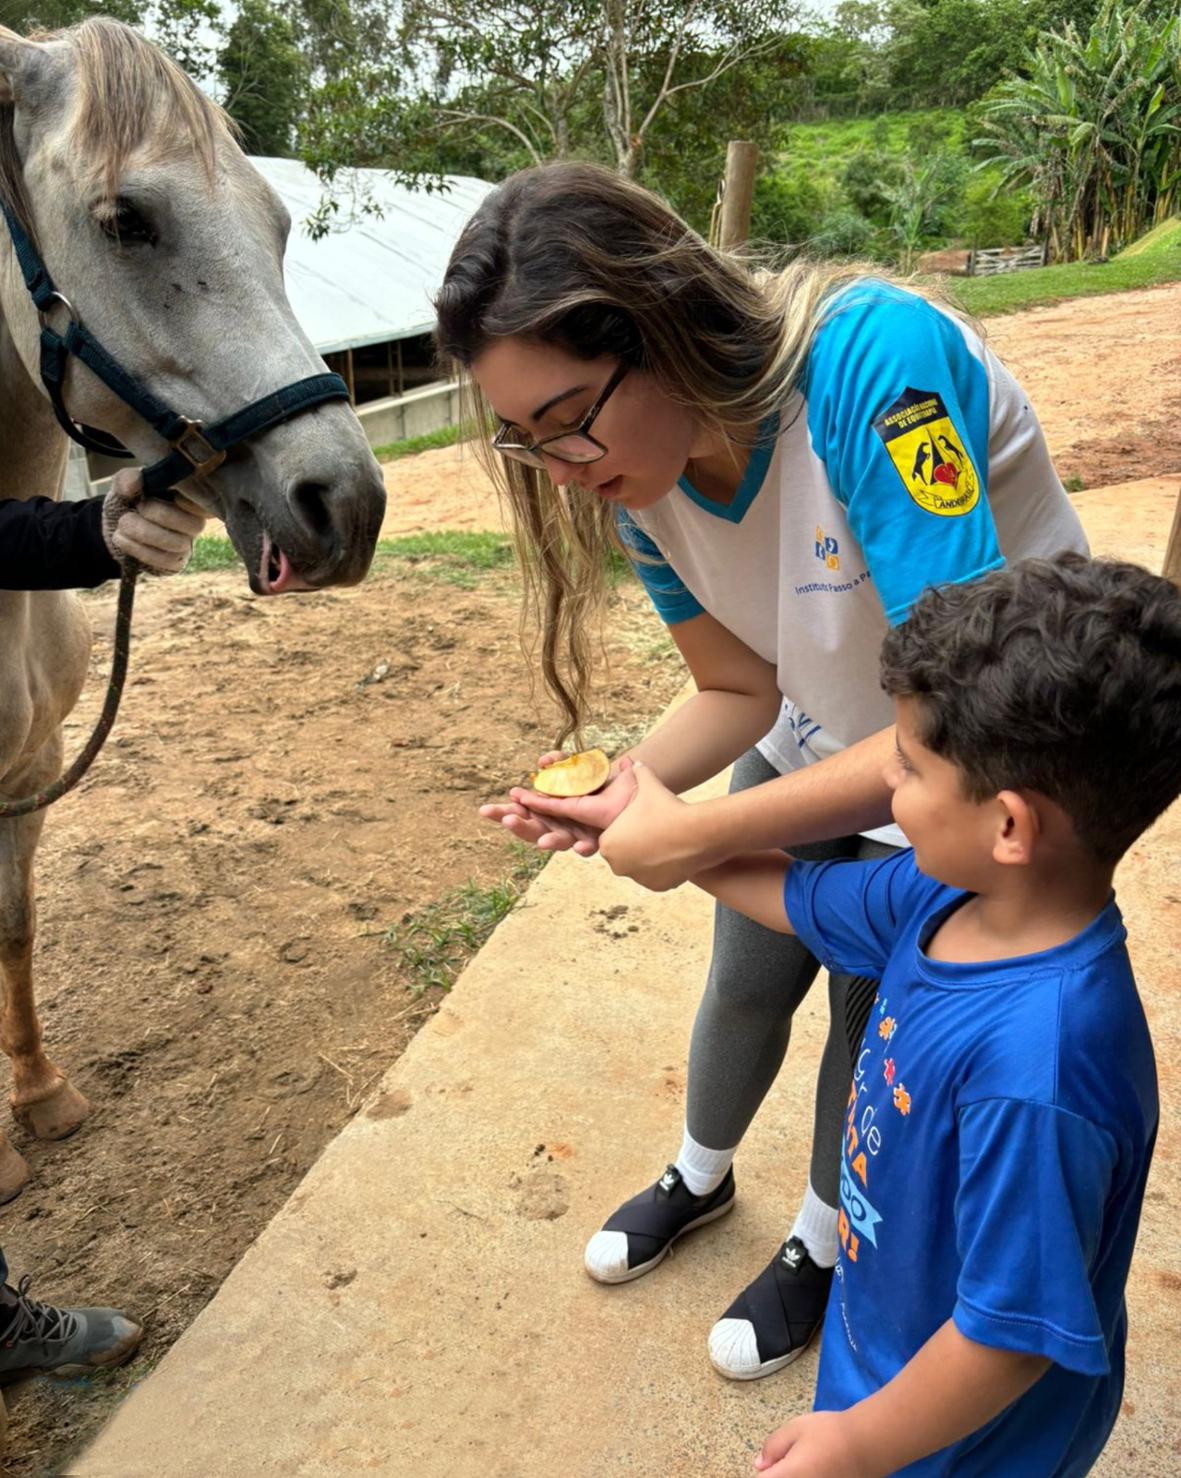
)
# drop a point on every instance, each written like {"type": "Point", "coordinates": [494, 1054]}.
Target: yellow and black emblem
{"type": "Point", "coordinates": [928, 454]}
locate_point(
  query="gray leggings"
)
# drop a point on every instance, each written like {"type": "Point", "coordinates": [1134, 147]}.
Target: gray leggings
{"type": "Point", "coordinates": [757, 978]}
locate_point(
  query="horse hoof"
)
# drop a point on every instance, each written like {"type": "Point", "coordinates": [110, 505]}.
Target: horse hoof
{"type": "Point", "coordinates": [14, 1176]}
{"type": "Point", "coordinates": [54, 1117]}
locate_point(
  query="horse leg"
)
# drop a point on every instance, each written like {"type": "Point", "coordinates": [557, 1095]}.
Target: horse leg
{"type": "Point", "coordinates": [43, 1099]}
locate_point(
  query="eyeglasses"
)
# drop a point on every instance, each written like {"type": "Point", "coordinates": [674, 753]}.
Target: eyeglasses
{"type": "Point", "coordinates": [576, 445]}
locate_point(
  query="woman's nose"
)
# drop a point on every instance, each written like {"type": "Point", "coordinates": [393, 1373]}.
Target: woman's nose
{"type": "Point", "coordinates": [561, 474]}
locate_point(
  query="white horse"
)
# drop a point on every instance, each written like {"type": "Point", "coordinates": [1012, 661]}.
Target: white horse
{"type": "Point", "coordinates": [169, 247]}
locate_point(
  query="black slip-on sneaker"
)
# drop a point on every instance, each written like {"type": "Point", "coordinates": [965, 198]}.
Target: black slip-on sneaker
{"type": "Point", "coordinates": [641, 1233]}
{"type": "Point", "coordinates": [774, 1320]}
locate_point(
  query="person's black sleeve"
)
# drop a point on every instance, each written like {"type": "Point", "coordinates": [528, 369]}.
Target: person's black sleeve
{"type": "Point", "coordinates": [53, 546]}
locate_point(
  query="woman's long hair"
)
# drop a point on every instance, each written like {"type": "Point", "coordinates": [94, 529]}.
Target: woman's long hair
{"type": "Point", "coordinates": [573, 255]}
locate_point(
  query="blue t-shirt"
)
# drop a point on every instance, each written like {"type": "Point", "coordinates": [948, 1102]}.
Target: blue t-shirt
{"type": "Point", "coordinates": [999, 1133]}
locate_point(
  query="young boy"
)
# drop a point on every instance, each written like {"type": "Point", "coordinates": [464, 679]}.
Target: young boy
{"type": "Point", "coordinates": [1003, 1110]}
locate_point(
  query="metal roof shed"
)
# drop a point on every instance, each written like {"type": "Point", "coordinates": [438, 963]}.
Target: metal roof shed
{"type": "Point", "coordinates": [371, 280]}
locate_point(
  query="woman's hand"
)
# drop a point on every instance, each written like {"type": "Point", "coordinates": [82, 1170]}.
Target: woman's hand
{"type": "Point", "coordinates": [635, 821]}
{"type": "Point", "coordinates": [555, 825]}
{"type": "Point", "coordinates": [155, 533]}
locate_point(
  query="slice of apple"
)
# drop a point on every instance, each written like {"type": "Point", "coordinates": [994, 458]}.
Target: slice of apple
{"type": "Point", "coordinates": [577, 774]}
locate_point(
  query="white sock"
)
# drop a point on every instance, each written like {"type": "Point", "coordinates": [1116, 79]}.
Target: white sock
{"type": "Point", "coordinates": [816, 1227]}
{"type": "Point", "coordinates": [703, 1170]}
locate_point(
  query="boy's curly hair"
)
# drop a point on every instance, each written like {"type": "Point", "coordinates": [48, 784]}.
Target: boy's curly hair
{"type": "Point", "coordinates": [1061, 676]}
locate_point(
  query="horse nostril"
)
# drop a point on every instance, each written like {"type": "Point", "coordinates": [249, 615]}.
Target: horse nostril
{"type": "Point", "coordinates": [309, 500]}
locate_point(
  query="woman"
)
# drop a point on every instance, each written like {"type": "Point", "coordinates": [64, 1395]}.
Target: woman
{"type": "Point", "coordinates": [789, 460]}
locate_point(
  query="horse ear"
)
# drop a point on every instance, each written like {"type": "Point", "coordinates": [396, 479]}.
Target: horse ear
{"type": "Point", "coordinates": [21, 63]}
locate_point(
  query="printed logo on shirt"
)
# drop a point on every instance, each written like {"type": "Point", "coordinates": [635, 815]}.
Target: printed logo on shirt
{"type": "Point", "coordinates": [861, 1221]}
{"type": "Point", "coordinates": [928, 454]}
{"type": "Point", "coordinates": [827, 550]}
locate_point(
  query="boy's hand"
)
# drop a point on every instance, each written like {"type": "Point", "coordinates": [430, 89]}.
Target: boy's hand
{"type": "Point", "coordinates": [818, 1445]}
{"type": "Point", "coordinates": [155, 533]}
{"type": "Point", "coordinates": [556, 825]}
{"type": "Point", "coordinates": [949, 1389]}
{"type": "Point", "coordinates": [646, 842]}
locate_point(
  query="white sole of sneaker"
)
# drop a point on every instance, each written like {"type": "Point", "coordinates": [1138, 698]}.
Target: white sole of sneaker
{"type": "Point", "coordinates": [768, 1367]}
{"type": "Point", "coordinates": [646, 1267]}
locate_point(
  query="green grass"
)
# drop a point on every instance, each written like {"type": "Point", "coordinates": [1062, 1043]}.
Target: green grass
{"type": "Point", "coordinates": [828, 147]}
{"type": "Point", "coordinates": [1155, 241]}
{"type": "Point", "coordinates": [212, 553]}
{"type": "Point", "coordinates": [454, 558]}
{"type": "Point", "coordinates": [1154, 259]}
{"type": "Point", "coordinates": [432, 946]}
{"type": "Point", "coordinates": [460, 559]}
{"type": "Point", "coordinates": [445, 436]}
{"type": "Point", "coordinates": [481, 551]}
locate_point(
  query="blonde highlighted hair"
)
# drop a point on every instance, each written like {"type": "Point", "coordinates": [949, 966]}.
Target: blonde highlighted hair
{"type": "Point", "coordinates": [574, 255]}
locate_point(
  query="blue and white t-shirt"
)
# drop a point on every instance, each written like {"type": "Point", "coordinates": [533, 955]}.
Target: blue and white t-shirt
{"type": "Point", "coordinates": [911, 458]}
{"type": "Point", "coordinates": [998, 1137]}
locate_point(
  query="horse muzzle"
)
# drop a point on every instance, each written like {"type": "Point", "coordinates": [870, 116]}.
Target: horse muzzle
{"type": "Point", "coordinates": [322, 531]}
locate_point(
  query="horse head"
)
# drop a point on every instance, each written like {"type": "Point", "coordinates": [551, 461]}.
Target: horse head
{"type": "Point", "coordinates": [168, 246]}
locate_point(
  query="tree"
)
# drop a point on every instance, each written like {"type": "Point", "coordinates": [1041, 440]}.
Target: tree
{"type": "Point", "coordinates": [552, 79]}
{"type": "Point", "coordinates": [1094, 129]}
{"type": "Point", "coordinates": [264, 77]}
{"type": "Point", "coordinates": [944, 53]}
{"type": "Point", "coordinates": [24, 16]}
{"type": "Point", "coordinates": [872, 55]}
{"type": "Point", "coordinates": [652, 53]}
{"type": "Point", "coordinates": [926, 190]}
{"type": "Point", "coordinates": [685, 148]}
{"type": "Point", "coordinates": [335, 35]}
{"type": "Point", "coordinates": [182, 27]}
{"type": "Point", "coordinates": [847, 64]}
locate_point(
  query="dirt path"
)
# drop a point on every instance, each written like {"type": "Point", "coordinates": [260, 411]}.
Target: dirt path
{"type": "Point", "coordinates": [1104, 375]}
{"type": "Point", "coordinates": [210, 960]}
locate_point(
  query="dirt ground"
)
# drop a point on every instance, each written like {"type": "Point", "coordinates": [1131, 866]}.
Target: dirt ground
{"type": "Point", "coordinates": [1104, 376]}
{"type": "Point", "coordinates": [211, 966]}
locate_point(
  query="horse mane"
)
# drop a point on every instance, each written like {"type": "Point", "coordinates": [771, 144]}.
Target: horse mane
{"type": "Point", "coordinates": [131, 97]}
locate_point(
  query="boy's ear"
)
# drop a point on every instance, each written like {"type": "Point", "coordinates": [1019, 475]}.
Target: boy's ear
{"type": "Point", "coordinates": [1018, 828]}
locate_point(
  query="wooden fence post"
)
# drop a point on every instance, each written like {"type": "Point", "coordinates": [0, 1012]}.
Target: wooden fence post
{"type": "Point", "coordinates": [1171, 569]}
{"type": "Point", "coordinates": [737, 195]}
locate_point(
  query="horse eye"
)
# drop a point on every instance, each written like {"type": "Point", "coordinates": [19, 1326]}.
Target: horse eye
{"type": "Point", "coordinates": [126, 224]}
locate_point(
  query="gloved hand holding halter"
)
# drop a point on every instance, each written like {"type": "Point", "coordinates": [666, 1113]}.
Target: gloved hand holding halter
{"type": "Point", "coordinates": [156, 533]}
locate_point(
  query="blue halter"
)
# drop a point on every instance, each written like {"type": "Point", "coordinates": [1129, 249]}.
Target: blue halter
{"type": "Point", "coordinates": [196, 449]}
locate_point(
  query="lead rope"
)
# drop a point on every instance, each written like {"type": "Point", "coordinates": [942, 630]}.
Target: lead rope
{"type": "Point", "coordinates": [66, 782]}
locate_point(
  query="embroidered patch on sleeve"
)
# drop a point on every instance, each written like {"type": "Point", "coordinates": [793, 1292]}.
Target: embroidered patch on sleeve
{"type": "Point", "coordinates": [929, 454]}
